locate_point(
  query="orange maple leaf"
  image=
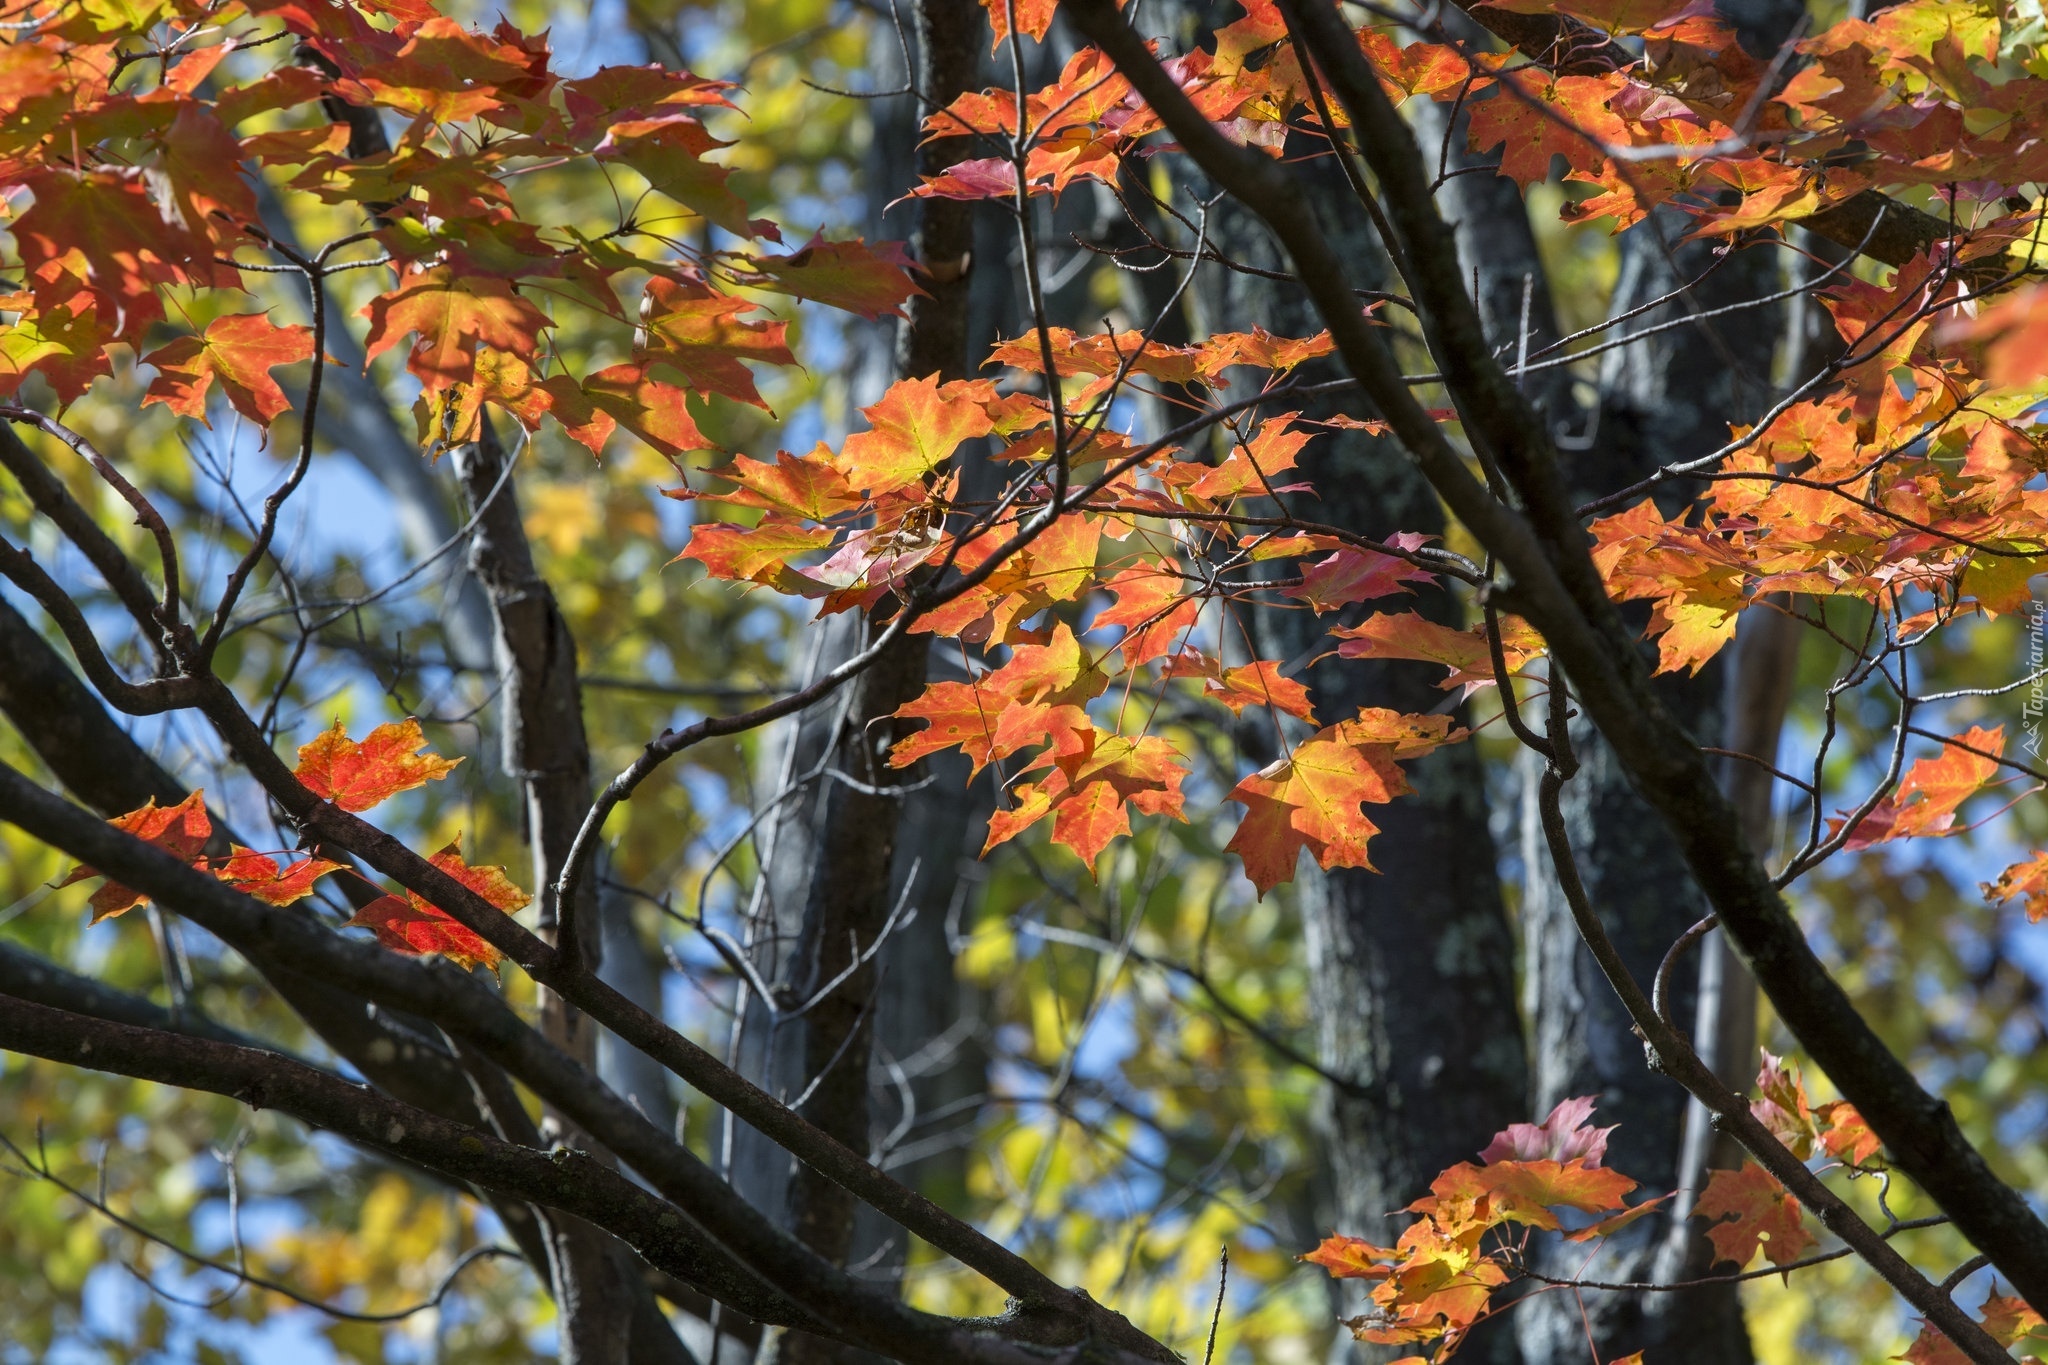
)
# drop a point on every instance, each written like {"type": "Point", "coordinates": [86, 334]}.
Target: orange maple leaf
{"type": "Point", "coordinates": [258, 875]}
{"type": "Point", "coordinates": [1034, 18]}
{"type": "Point", "coordinates": [358, 775]}
{"type": "Point", "coordinates": [669, 152]}
{"type": "Point", "coordinates": [959, 715]}
{"type": "Point", "coordinates": [868, 278]}
{"type": "Point", "coordinates": [453, 314]}
{"type": "Point", "coordinates": [701, 334]}
{"type": "Point", "coordinates": [1150, 608]}
{"type": "Point", "coordinates": [2028, 879]}
{"type": "Point", "coordinates": [1252, 465]}
{"type": "Point", "coordinates": [1533, 117]}
{"type": "Point", "coordinates": [239, 350]}
{"type": "Point", "coordinates": [1098, 778]}
{"type": "Point", "coordinates": [809, 487]}
{"type": "Point", "coordinates": [758, 554]}
{"type": "Point", "coordinates": [914, 429]}
{"type": "Point", "coordinates": [1406, 635]}
{"type": "Point", "coordinates": [1259, 684]}
{"type": "Point", "coordinates": [657, 412]}
{"type": "Point", "coordinates": [1748, 1208]}
{"type": "Point", "coordinates": [181, 831]}
{"type": "Point", "coordinates": [1933, 789]}
{"type": "Point", "coordinates": [1352, 1258]}
{"type": "Point", "coordinates": [1314, 798]}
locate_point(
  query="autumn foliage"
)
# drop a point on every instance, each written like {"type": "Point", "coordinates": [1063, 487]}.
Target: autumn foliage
{"type": "Point", "coordinates": [1100, 589]}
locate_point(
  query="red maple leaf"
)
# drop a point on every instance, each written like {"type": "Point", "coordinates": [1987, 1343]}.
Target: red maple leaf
{"type": "Point", "coordinates": [256, 874]}
{"type": "Point", "coordinates": [181, 831]}
{"type": "Point", "coordinates": [1350, 575]}
{"type": "Point", "coordinates": [1748, 1208]}
{"type": "Point", "coordinates": [1533, 117]}
{"type": "Point", "coordinates": [358, 775]}
{"type": "Point", "coordinates": [239, 350]}
{"type": "Point", "coordinates": [414, 926]}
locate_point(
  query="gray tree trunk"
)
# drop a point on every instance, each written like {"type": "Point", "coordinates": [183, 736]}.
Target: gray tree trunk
{"type": "Point", "coordinates": [1412, 965]}
{"type": "Point", "coordinates": [607, 1312]}
{"type": "Point", "coordinates": [857, 859]}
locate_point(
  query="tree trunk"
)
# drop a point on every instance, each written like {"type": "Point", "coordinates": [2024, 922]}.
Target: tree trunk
{"type": "Point", "coordinates": [1411, 966]}
{"type": "Point", "coordinates": [856, 884]}
{"type": "Point", "coordinates": [607, 1312]}
{"type": "Point", "coordinates": [1663, 399]}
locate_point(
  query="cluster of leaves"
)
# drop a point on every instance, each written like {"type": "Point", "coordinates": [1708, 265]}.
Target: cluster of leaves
{"type": "Point", "coordinates": [355, 776]}
{"type": "Point", "coordinates": [1909, 477]}
{"type": "Point", "coordinates": [1444, 1275]}
{"type": "Point", "coordinates": [139, 209]}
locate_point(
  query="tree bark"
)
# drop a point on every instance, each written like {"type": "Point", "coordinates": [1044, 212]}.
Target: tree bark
{"type": "Point", "coordinates": [858, 883]}
{"type": "Point", "coordinates": [1411, 965]}
{"type": "Point", "coordinates": [606, 1310]}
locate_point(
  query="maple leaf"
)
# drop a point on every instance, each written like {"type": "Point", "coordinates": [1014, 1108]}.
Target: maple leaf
{"type": "Point", "coordinates": [959, 715]}
{"type": "Point", "coordinates": [655, 411]}
{"type": "Point", "coordinates": [1259, 684]}
{"type": "Point", "coordinates": [416, 927]}
{"type": "Point", "coordinates": [2014, 335]}
{"type": "Point", "coordinates": [1349, 575]}
{"type": "Point", "coordinates": [698, 332]}
{"type": "Point", "coordinates": [1784, 1108]}
{"type": "Point", "coordinates": [99, 231]}
{"type": "Point", "coordinates": [67, 349]}
{"type": "Point", "coordinates": [1689, 634]}
{"type": "Point", "coordinates": [358, 775]}
{"type": "Point", "coordinates": [914, 429]}
{"type": "Point", "coordinates": [1251, 466]}
{"type": "Point", "coordinates": [239, 350]}
{"type": "Point", "coordinates": [1055, 671]}
{"type": "Point", "coordinates": [1927, 799]}
{"type": "Point", "coordinates": [669, 152]}
{"type": "Point", "coordinates": [1098, 778]}
{"type": "Point", "coordinates": [192, 161]}
{"type": "Point", "coordinates": [181, 831]}
{"type": "Point", "coordinates": [258, 875]}
{"type": "Point", "coordinates": [1545, 1184]}
{"type": "Point", "coordinates": [453, 315]}
{"type": "Point", "coordinates": [1314, 798]}
{"type": "Point", "coordinates": [758, 554]}
{"type": "Point", "coordinates": [1534, 117]}
{"type": "Point", "coordinates": [1034, 18]}
{"type": "Point", "coordinates": [871, 279]}
{"type": "Point", "coordinates": [1406, 635]}
{"type": "Point", "coordinates": [1844, 1135]}
{"type": "Point", "coordinates": [414, 931]}
{"type": "Point", "coordinates": [987, 178]}
{"type": "Point", "coordinates": [809, 487]}
{"type": "Point", "coordinates": [1151, 609]}
{"type": "Point", "coordinates": [1564, 1136]}
{"type": "Point", "coordinates": [1352, 1258]}
{"type": "Point", "coordinates": [2028, 879]}
{"type": "Point", "coordinates": [1748, 1208]}
{"type": "Point", "coordinates": [2005, 1319]}
{"type": "Point", "coordinates": [446, 74]}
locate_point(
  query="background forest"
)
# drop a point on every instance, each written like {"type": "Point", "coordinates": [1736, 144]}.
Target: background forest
{"type": "Point", "coordinates": [1130, 1074]}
